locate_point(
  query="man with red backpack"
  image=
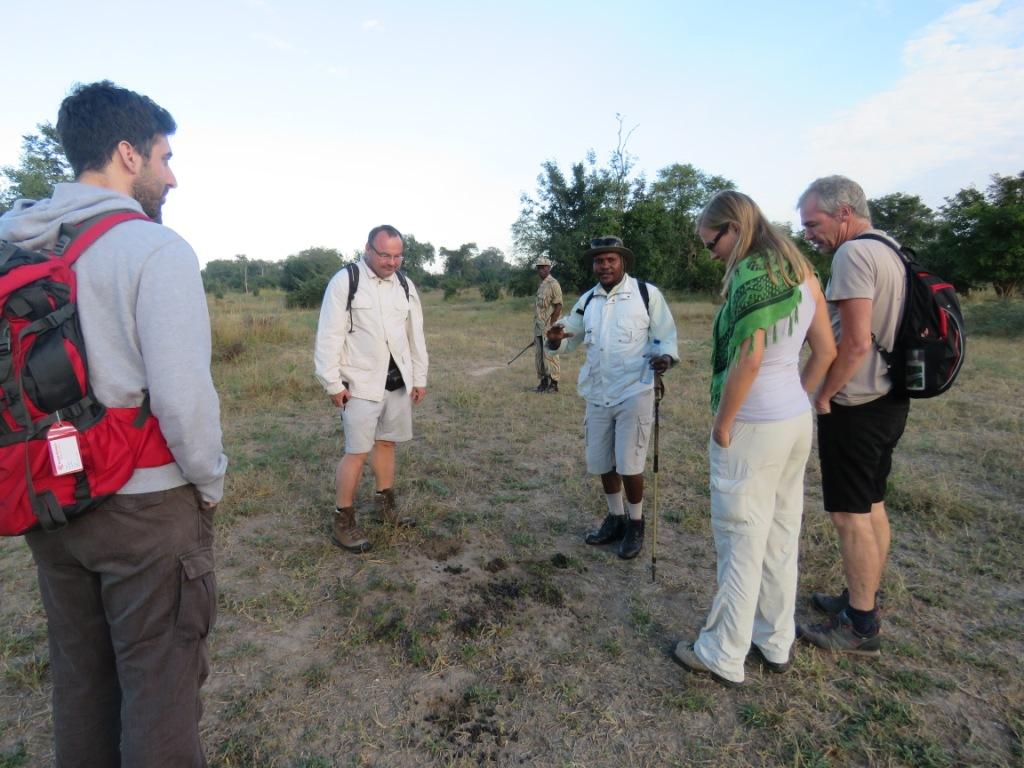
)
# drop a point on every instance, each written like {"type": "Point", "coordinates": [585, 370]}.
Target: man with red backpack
{"type": "Point", "coordinates": [861, 414]}
{"type": "Point", "coordinates": [129, 586]}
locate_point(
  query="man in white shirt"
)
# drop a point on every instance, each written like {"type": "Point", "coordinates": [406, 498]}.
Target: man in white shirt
{"type": "Point", "coordinates": [371, 359]}
{"type": "Point", "coordinates": [626, 335]}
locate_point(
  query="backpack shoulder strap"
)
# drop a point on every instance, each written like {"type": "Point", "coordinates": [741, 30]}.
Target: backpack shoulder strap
{"type": "Point", "coordinates": [645, 294]}
{"type": "Point", "coordinates": [905, 260]}
{"type": "Point", "coordinates": [353, 284]}
{"type": "Point", "coordinates": [590, 298]}
{"type": "Point", "coordinates": [76, 238]}
{"type": "Point", "coordinates": [903, 252]}
{"type": "Point", "coordinates": [404, 281]}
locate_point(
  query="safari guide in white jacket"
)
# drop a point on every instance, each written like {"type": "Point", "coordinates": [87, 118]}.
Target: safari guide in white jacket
{"type": "Point", "coordinates": [628, 338]}
{"type": "Point", "coordinates": [371, 359]}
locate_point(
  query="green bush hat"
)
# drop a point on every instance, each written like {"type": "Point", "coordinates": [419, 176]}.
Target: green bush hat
{"type": "Point", "coordinates": [610, 244]}
{"type": "Point", "coordinates": [543, 261]}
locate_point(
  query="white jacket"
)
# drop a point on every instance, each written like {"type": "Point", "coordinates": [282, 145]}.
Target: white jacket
{"type": "Point", "coordinates": [616, 329]}
{"type": "Point", "coordinates": [384, 323]}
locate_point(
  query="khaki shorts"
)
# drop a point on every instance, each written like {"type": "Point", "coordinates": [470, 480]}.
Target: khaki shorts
{"type": "Point", "coordinates": [617, 436]}
{"type": "Point", "coordinates": [365, 421]}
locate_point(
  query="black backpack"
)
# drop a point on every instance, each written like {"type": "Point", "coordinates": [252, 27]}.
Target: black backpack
{"type": "Point", "coordinates": [353, 286]}
{"type": "Point", "coordinates": [645, 294]}
{"type": "Point", "coordinates": [931, 340]}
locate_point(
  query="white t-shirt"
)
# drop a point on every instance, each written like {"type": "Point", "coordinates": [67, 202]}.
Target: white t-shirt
{"type": "Point", "coordinates": [776, 394]}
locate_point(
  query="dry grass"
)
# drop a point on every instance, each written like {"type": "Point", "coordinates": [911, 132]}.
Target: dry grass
{"type": "Point", "coordinates": [490, 635]}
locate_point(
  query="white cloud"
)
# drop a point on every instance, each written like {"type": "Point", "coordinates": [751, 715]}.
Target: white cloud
{"type": "Point", "coordinates": [959, 104]}
{"type": "Point", "coordinates": [370, 24]}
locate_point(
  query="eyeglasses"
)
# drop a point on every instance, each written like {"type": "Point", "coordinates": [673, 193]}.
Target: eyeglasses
{"type": "Point", "coordinates": [721, 231]}
{"type": "Point", "coordinates": [391, 256]}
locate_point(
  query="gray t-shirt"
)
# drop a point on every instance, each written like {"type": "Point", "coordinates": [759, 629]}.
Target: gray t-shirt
{"type": "Point", "coordinates": [868, 269]}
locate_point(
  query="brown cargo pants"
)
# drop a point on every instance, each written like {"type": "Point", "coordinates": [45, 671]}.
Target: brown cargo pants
{"type": "Point", "coordinates": [130, 596]}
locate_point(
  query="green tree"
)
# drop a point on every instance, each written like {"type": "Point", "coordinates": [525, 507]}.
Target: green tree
{"type": "Point", "coordinates": [220, 275]}
{"type": "Point", "coordinates": [981, 238]}
{"type": "Point", "coordinates": [491, 266]}
{"type": "Point", "coordinates": [680, 259]}
{"type": "Point", "coordinates": [416, 258]}
{"type": "Point", "coordinates": [43, 165]}
{"type": "Point", "coordinates": [906, 218]}
{"type": "Point", "coordinates": [460, 264]}
{"type": "Point", "coordinates": [305, 275]}
{"type": "Point", "coordinates": [563, 216]}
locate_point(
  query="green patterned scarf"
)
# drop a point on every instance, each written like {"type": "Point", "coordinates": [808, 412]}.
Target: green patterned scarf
{"type": "Point", "coordinates": [753, 302]}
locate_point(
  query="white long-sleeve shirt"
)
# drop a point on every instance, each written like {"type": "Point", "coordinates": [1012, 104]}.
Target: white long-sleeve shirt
{"type": "Point", "coordinates": [384, 324]}
{"type": "Point", "coordinates": [616, 328]}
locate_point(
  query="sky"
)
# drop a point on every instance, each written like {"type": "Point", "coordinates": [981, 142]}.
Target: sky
{"type": "Point", "coordinates": [306, 123]}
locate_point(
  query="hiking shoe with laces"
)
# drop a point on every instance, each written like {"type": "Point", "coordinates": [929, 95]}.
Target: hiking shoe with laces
{"type": "Point", "coordinates": [837, 635]}
{"type": "Point", "coordinates": [833, 604]}
{"type": "Point", "coordinates": [345, 533]}
{"type": "Point", "coordinates": [612, 529]}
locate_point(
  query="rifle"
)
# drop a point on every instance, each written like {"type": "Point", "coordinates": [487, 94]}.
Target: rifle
{"type": "Point", "coordinates": [528, 346]}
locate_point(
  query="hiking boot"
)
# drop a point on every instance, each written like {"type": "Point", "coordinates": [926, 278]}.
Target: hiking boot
{"type": "Point", "coordinates": [552, 386]}
{"type": "Point", "coordinates": [685, 655]}
{"type": "Point", "coordinates": [545, 382]}
{"type": "Point", "coordinates": [837, 635]}
{"type": "Point", "coordinates": [612, 529]}
{"type": "Point", "coordinates": [387, 508]}
{"type": "Point", "coordinates": [775, 667]}
{"type": "Point", "coordinates": [833, 604]}
{"type": "Point", "coordinates": [633, 539]}
{"type": "Point", "coordinates": [346, 534]}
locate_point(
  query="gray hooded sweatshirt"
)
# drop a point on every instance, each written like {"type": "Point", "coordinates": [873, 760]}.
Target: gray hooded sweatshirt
{"type": "Point", "coordinates": [146, 326]}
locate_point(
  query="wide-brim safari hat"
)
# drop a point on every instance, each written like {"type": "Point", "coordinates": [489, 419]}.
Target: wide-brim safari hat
{"type": "Point", "coordinates": [543, 261]}
{"type": "Point", "coordinates": [609, 244]}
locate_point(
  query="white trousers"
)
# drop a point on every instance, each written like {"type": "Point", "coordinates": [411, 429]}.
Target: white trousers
{"type": "Point", "coordinates": [757, 499]}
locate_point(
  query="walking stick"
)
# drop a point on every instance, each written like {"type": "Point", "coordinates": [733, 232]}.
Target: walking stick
{"type": "Point", "coordinates": [659, 392]}
{"type": "Point", "coordinates": [528, 346]}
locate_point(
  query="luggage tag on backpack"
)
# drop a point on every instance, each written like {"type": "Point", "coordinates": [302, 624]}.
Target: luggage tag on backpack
{"type": "Point", "coordinates": [65, 457]}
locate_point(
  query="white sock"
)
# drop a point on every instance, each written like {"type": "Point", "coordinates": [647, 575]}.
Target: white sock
{"type": "Point", "coordinates": [636, 511]}
{"type": "Point", "coordinates": [615, 504]}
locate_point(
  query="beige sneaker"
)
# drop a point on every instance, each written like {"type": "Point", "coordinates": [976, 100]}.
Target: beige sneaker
{"type": "Point", "coordinates": [346, 534]}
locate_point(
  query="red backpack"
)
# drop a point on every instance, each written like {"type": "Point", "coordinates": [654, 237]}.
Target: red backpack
{"type": "Point", "coordinates": [61, 451]}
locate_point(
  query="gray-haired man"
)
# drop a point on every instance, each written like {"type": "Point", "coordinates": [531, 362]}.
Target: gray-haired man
{"type": "Point", "coordinates": [860, 420]}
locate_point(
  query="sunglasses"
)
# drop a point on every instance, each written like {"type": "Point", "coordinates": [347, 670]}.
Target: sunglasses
{"type": "Point", "coordinates": [721, 231]}
{"type": "Point", "coordinates": [606, 242]}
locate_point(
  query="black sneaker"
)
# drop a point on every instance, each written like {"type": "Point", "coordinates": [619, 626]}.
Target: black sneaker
{"type": "Point", "coordinates": [833, 604]}
{"type": "Point", "coordinates": [632, 540]}
{"type": "Point", "coordinates": [612, 529]}
{"type": "Point", "coordinates": [837, 635]}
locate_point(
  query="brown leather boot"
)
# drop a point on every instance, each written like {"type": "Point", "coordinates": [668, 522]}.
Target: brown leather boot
{"type": "Point", "coordinates": [387, 508]}
{"type": "Point", "coordinates": [346, 534]}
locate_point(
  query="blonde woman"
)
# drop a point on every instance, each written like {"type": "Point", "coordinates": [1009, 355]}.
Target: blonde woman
{"type": "Point", "coordinates": [761, 436]}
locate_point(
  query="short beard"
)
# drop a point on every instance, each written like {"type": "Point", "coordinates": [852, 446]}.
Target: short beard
{"type": "Point", "coordinates": [150, 200]}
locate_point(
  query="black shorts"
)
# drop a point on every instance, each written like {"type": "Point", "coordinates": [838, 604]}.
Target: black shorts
{"type": "Point", "coordinates": [855, 444]}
